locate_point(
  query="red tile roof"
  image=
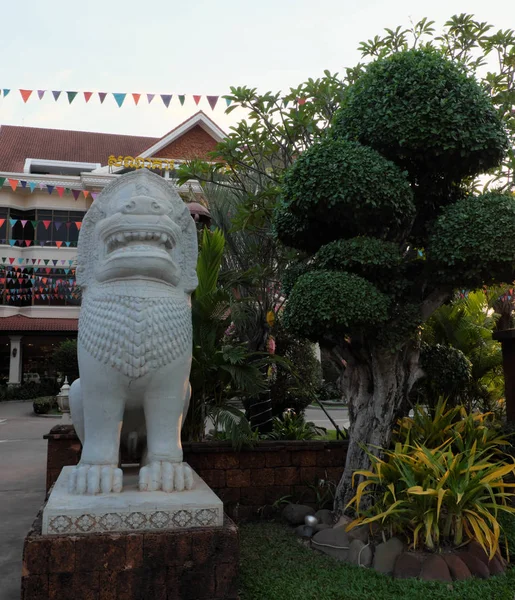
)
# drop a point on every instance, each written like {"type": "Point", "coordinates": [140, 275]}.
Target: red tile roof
{"type": "Point", "coordinates": [20, 143]}
{"type": "Point", "coordinates": [22, 323]}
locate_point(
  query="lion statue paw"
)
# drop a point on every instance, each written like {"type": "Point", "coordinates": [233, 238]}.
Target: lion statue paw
{"type": "Point", "coordinates": [165, 476]}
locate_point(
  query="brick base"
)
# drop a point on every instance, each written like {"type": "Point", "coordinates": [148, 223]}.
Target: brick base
{"type": "Point", "coordinates": [193, 564]}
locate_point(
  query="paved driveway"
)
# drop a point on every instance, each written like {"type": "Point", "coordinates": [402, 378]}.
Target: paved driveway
{"type": "Point", "coordinates": [22, 485]}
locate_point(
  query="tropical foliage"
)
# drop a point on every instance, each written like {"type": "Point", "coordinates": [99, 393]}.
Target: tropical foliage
{"type": "Point", "coordinates": [444, 481]}
{"type": "Point", "coordinates": [292, 426]}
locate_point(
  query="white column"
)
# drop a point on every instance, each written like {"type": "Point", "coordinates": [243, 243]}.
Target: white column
{"type": "Point", "coordinates": [15, 361]}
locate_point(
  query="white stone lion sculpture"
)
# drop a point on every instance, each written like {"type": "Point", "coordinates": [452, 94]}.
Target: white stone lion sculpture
{"type": "Point", "coordinates": [136, 261]}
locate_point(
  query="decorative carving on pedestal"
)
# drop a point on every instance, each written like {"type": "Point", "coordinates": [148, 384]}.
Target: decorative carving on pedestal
{"type": "Point", "coordinates": [136, 261]}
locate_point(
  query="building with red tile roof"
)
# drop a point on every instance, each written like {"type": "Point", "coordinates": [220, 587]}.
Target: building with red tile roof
{"type": "Point", "coordinates": [48, 180]}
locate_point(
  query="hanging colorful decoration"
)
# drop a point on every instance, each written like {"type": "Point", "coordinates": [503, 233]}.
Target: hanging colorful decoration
{"type": "Point", "coordinates": [118, 97]}
{"type": "Point", "coordinates": [32, 185]}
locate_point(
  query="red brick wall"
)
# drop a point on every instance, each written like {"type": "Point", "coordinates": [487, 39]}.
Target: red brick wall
{"type": "Point", "coordinates": [195, 143]}
{"type": "Point", "coordinates": [245, 481]}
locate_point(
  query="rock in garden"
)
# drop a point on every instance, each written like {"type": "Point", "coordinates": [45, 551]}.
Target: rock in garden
{"type": "Point", "coordinates": [406, 566]}
{"type": "Point", "coordinates": [360, 554]}
{"type": "Point", "coordinates": [435, 568]}
{"type": "Point", "coordinates": [386, 554]}
{"type": "Point", "coordinates": [295, 513]}
{"type": "Point", "coordinates": [334, 542]}
{"type": "Point", "coordinates": [324, 516]}
{"type": "Point", "coordinates": [495, 566]}
{"type": "Point", "coordinates": [359, 533]}
{"type": "Point", "coordinates": [343, 521]}
{"type": "Point", "coordinates": [304, 531]}
{"type": "Point", "coordinates": [476, 566]}
{"type": "Point", "coordinates": [457, 567]}
{"type": "Point", "coordinates": [321, 527]}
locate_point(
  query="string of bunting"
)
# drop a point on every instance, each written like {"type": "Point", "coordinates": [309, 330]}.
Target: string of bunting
{"type": "Point", "coordinates": [16, 184]}
{"type": "Point", "coordinates": [10, 260]}
{"type": "Point", "coordinates": [118, 97]}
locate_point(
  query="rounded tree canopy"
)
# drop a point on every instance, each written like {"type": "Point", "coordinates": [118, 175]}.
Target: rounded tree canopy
{"type": "Point", "coordinates": [423, 112]}
{"type": "Point", "coordinates": [372, 258]}
{"type": "Point", "coordinates": [328, 303]}
{"type": "Point", "coordinates": [341, 189]}
{"type": "Point", "coordinates": [473, 241]}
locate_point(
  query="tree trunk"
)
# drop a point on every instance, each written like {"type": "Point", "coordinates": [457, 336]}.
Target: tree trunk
{"type": "Point", "coordinates": [377, 390]}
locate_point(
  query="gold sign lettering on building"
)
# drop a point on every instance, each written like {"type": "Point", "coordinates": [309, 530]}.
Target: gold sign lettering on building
{"type": "Point", "coordinates": [129, 162]}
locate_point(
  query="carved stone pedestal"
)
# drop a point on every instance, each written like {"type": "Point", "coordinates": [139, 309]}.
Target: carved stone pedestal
{"type": "Point", "coordinates": [187, 564]}
{"type": "Point", "coordinates": [131, 545]}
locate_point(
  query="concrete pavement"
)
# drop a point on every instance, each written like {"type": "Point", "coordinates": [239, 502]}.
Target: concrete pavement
{"type": "Point", "coordinates": [22, 485]}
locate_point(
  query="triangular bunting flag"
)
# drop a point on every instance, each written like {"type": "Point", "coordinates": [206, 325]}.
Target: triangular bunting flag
{"type": "Point", "coordinates": [182, 97]}
{"type": "Point", "coordinates": [12, 242]}
{"type": "Point", "coordinates": [136, 98]}
{"type": "Point", "coordinates": [23, 183]}
{"type": "Point", "coordinates": [71, 96]}
{"type": "Point", "coordinates": [56, 94]}
{"type": "Point", "coordinates": [87, 96]}
{"type": "Point", "coordinates": [86, 193]}
{"type": "Point", "coordinates": [58, 244]}
{"type": "Point", "coordinates": [212, 101]}
{"type": "Point", "coordinates": [301, 101]}
{"type": "Point", "coordinates": [57, 224]}
{"type": "Point", "coordinates": [78, 224]}
{"type": "Point", "coordinates": [54, 260]}
{"type": "Point", "coordinates": [23, 223]}
{"type": "Point", "coordinates": [68, 223]}
{"type": "Point", "coordinates": [6, 92]}
{"type": "Point", "coordinates": [228, 101]}
{"type": "Point", "coordinates": [2, 181]}
{"type": "Point", "coordinates": [46, 224]}
{"type": "Point", "coordinates": [166, 99]}
{"type": "Point", "coordinates": [34, 224]}
{"type": "Point", "coordinates": [197, 99]}
{"type": "Point", "coordinates": [60, 191]}
{"type": "Point", "coordinates": [13, 222]}
{"type": "Point", "coordinates": [150, 97]}
{"type": "Point", "coordinates": [28, 242]}
{"type": "Point", "coordinates": [13, 183]}
{"type": "Point", "coordinates": [50, 188]}
{"type": "Point", "coordinates": [2, 221]}
{"type": "Point", "coordinates": [102, 96]}
{"type": "Point", "coordinates": [119, 98]}
{"type": "Point", "coordinates": [76, 193]}
{"type": "Point", "coordinates": [94, 195]}
{"type": "Point", "coordinates": [25, 94]}
{"type": "Point", "coordinates": [41, 93]}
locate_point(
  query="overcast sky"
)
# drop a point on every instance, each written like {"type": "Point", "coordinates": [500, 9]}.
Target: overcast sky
{"type": "Point", "coordinates": [190, 47]}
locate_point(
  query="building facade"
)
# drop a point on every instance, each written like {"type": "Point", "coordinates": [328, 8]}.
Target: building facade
{"type": "Point", "coordinates": [48, 180]}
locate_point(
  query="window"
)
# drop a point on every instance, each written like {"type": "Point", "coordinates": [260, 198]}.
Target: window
{"type": "Point", "coordinates": [41, 227]}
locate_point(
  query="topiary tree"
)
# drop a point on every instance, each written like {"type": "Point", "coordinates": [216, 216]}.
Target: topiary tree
{"type": "Point", "coordinates": [380, 206]}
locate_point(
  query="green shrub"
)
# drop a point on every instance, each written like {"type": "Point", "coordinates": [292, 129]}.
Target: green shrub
{"type": "Point", "coordinates": [424, 113]}
{"type": "Point", "coordinates": [292, 426]}
{"type": "Point", "coordinates": [339, 189]}
{"type": "Point", "coordinates": [29, 391]}
{"type": "Point", "coordinates": [333, 303]}
{"type": "Point", "coordinates": [44, 404]}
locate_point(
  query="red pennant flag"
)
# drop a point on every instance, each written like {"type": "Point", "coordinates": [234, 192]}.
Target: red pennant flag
{"type": "Point", "coordinates": [28, 242]}
{"type": "Point", "coordinates": [212, 101]}
{"type": "Point", "coordinates": [58, 244]}
{"type": "Point", "coordinates": [197, 99]}
{"type": "Point", "coordinates": [46, 224]}
{"type": "Point", "coordinates": [301, 101]}
{"type": "Point", "coordinates": [44, 279]}
{"type": "Point", "coordinates": [136, 98]}
{"type": "Point", "coordinates": [87, 96]}
{"type": "Point", "coordinates": [13, 183]}
{"type": "Point", "coordinates": [86, 193]}
{"type": "Point", "coordinates": [2, 221]}
{"type": "Point", "coordinates": [78, 224]}
{"type": "Point", "coordinates": [48, 270]}
{"type": "Point", "coordinates": [60, 191]}
{"type": "Point", "coordinates": [11, 260]}
{"type": "Point", "coordinates": [25, 94]}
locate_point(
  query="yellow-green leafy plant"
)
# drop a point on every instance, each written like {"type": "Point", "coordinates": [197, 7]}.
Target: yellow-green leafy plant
{"type": "Point", "coordinates": [444, 483]}
{"type": "Point", "coordinates": [431, 428]}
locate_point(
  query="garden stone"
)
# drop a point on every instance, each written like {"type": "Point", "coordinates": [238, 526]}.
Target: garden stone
{"type": "Point", "coordinates": [407, 566]}
{"type": "Point", "coordinates": [476, 549]}
{"type": "Point", "coordinates": [334, 542]}
{"type": "Point", "coordinates": [435, 569]}
{"type": "Point", "coordinates": [359, 533]}
{"type": "Point", "coordinates": [321, 527]}
{"type": "Point", "coordinates": [295, 513]}
{"type": "Point", "coordinates": [476, 566]}
{"type": "Point", "coordinates": [386, 554]}
{"type": "Point", "coordinates": [304, 531]}
{"type": "Point", "coordinates": [457, 567]}
{"type": "Point", "coordinates": [343, 521]}
{"type": "Point", "coordinates": [360, 554]}
{"type": "Point", "coordinates": [325, 516]}
{"type": "Point", "coordinates": [495, 566]}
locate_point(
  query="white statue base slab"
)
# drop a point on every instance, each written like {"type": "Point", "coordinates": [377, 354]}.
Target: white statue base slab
{"type": "Point", "coordinates": [130, 510]}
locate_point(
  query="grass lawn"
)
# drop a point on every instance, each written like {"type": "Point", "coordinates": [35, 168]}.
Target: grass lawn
{"type": "Point", "coordinates": [275, 566]}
